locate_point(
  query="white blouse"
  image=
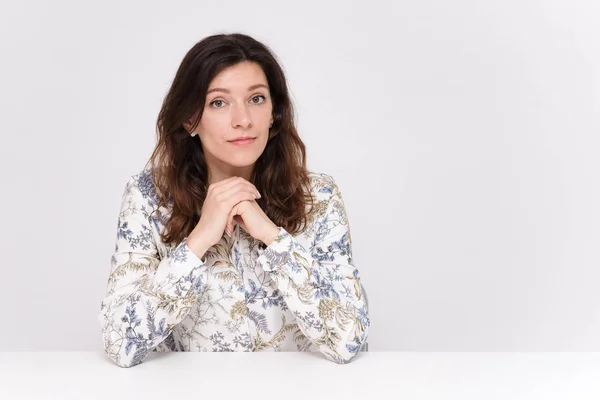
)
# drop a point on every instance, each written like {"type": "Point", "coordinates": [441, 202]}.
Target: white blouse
{"type": "Point", "coordinates": [300, 293]}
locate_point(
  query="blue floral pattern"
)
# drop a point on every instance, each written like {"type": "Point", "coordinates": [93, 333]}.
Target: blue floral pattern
{"type": "Point", "coordinates": [300, 293]}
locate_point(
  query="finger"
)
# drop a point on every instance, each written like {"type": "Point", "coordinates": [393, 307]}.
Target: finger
{"type": "Point", "coordinates": [219, 184]}
{"type": "Point", "coordinates": [230, 223]}
{"type": "Point", "coordinates": [229, 200]}
{"type": "Point", "coordinates": [233, 191]}
{"type": "Point", "coordinates": [241, 185]}
{"type": "Point", "coordinates": [235, 185]}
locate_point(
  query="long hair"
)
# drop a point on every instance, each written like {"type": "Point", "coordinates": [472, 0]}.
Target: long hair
{"type": "Point", "coordinates": [178, 166]}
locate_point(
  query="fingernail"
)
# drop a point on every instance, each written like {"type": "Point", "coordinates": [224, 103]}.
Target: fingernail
{"type": "Point", "coordinates": [227, 232]}
{"type": "Point", "coordinates": [259, 196]}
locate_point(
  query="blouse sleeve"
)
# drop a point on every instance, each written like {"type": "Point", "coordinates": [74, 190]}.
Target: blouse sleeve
{"type": "Point", "coordinates": [322, 286]}
{"type": "Point", "coordinates": [146, 296]}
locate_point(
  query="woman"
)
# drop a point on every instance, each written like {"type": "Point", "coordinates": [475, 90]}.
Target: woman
{"type": "Point", "coordinates": [225, 241]}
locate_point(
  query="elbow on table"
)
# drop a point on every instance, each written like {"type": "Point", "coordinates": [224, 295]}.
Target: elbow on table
{"type": "Point", "coordinates": [341, 359]}
{"type": "Point", "coordinates": [128, 364]}
{"type": "Point", "coordinates": [351, 348]}
{"type": "Point", "coordinates": [124, 361]}
{"type": "Point", "coordinates": [347, 356]}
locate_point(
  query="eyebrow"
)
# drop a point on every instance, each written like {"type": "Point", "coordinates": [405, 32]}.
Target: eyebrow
{"type": "Point", "coordinates": [229, 91]}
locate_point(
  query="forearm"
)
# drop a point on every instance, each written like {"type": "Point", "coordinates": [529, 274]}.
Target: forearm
{"type": "Point", "coordinates": [326, 298]}
{"type": "Point", "coordinates": [137, 314]}
{"type": "Point", "coordinates": [197, 244]}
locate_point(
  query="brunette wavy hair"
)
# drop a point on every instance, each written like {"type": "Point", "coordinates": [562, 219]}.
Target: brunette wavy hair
{"type": "Point", "coordinates": [177, 164]}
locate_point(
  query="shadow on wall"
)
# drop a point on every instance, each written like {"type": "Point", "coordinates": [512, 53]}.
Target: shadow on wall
{"type": "Point", "coordinates": [365, 346]}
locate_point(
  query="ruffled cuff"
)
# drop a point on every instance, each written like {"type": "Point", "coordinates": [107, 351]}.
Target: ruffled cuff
{"type": "Point", "coordinates": [180, 270]}
{"type": "Point", "coordinates": [277, 253]}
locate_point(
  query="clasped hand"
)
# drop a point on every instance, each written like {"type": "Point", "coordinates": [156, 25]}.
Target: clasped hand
{"type": "Point", "coordinates": [234, 199]}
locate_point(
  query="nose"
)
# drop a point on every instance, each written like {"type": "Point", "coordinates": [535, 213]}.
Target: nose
{"type": "Point", "coordinates": [241, 117]}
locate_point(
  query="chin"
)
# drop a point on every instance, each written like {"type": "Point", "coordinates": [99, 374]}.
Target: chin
{"type": "Point", "coordinates": [239, 161]}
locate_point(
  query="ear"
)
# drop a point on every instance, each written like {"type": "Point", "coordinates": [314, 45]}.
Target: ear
{"type": "Point", "coordinates": [188, 124]}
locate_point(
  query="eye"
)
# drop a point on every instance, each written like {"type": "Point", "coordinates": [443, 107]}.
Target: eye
{"type": "Point", "coordinates": [256, 97]}
{"type": "Point", "coordinates": [213, 104]}
{"type": "Point", "coordinates": [216, 101]}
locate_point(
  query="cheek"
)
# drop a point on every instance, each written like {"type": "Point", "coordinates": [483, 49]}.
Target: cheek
{"type": "Point", "coordinates": [214, 130]}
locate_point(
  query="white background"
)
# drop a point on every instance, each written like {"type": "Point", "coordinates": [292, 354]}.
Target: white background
{"type": "Point", "coordinates": [463, 135]}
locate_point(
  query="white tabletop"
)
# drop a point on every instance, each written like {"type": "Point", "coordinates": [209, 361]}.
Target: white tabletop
{"type": "Point", "coordinates": [289, 375]}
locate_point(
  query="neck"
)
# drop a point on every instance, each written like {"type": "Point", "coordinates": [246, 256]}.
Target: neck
{"type": "Point", "coordinates": [217, 173]}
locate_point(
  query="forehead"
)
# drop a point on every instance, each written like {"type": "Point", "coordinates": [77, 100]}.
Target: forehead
{"type": "Point", "coordinates": [239, 77]}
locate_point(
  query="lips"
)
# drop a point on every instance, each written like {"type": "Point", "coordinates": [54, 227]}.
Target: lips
{"type": "Point", "coordinates": [243, 142]}
{"type": "Point", "coordinates": [242, 139]}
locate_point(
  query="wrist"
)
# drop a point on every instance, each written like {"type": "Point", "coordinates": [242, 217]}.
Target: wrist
{"type": "Point", "coordinates": [197, 245]}
{"type": "Point", "coordinates": [270, 237]}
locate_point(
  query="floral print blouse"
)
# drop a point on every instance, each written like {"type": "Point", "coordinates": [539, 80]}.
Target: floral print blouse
{"type": "Point", "coordinates": [300, 293]}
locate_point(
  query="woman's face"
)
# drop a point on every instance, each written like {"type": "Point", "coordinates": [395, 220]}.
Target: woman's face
{"type": "Point", "coordinates": [238, 103]}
